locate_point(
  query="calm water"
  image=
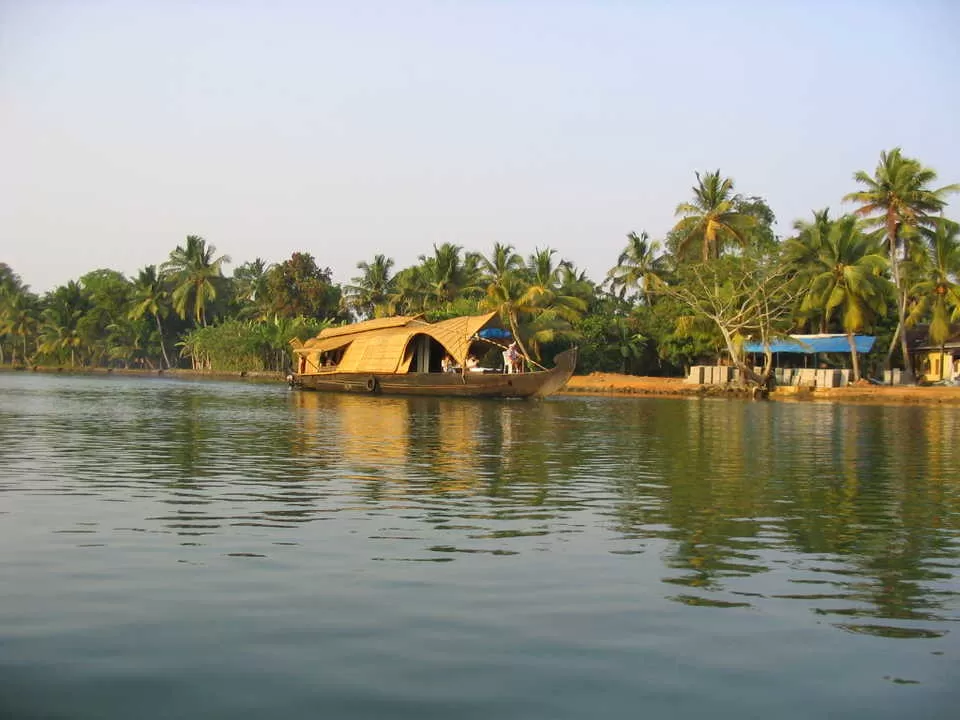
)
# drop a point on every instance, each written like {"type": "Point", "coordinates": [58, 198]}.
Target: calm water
{"type": "Point", "coordinates": [184, 549]}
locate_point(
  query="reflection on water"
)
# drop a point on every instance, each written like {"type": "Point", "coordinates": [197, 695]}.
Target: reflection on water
{"type": "Point", "coordinates": [849, 514]}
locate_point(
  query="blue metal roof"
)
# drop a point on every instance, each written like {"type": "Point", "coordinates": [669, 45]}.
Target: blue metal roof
{"type": "Point", "coordinates": [810, 344]}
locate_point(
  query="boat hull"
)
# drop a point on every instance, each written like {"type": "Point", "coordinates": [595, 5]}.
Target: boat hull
{"type": "Point", "coordinates": [470, 384]}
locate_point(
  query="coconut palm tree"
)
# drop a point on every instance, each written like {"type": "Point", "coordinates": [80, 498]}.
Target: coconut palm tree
{"type": "Point", "coordinates": [849, 280]}
{"type": "Point", "coordinates": [712, 219]}
{"type": "Point", "coordinates": [18, 317]}
{"type": "Point", "coordinates": [151, 297]}
{"type": "Point", "coordinates": [370, 292]}
{"type": "Point", "coordinates": [447, 274]}
{"type": "Point", "coordinates": [573, 282]}
{"type": "Point", "coordinates": [802, 253]}
{"type": "Point", "coordinates": [897, 196]}
{"type": "Point", "coordinates": [250, 283]}
{"type": "Point", "coordinates": [637, 268]}
{"type": "Point", "coordinates": [545, 282]}
{"type": "Point", "coordinates": [11, 286]}
{"type": "Point", "coordinates": [938, 294]}
{"type": "Point", "coordinates": [61, 320]}
{"type": "Point", "coordinates": [506, 287]}
{"type": "Point", "coordinates": [550, 312]}
{"type": "Point", "coordinates": [408, 296]}
{"type": "Point", "coordinates": [195, 274]}
{"type": "Point", "coordinates": [501, 267]}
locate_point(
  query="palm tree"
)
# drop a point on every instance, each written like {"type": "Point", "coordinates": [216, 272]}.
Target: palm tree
{"type": "Point", "coordinates": [408, 296]}
{"type": "Point", "coordinates": [11, 286]}
{"type": "Point", "coordinates": [18, 317]}
{"type": "Point", "coordinates": [849, 280]}
{"type": "Point", "coordinates": [61, 319]}
{"type": "Point", "coordinates": [370, 292]}
{"type": "Point", "coordinates": [445, 275]}
{"type": "Point", "coordinates": [505, 288]}
{"type": "Point", "coordinates": [545, 282]}
{"type": "Point", "coordinates": [938, 295]}
{"type": "Point", "coordinates": [195, 273]}
{"type": "Point", "coordinates": [712, 219]}
{"type": "Point", "coordinates": [629, 343]}
{"type": "Point", "coordinates": [151, 297]}
{"type": "Point", "coordinates": [802, 253]}
{"type": "Point", "coordinates": [899, 196]}
{"type": "Point", "coordinates": [501, 266]}
{"type": "Point", "coordinates": [573, 282]}
{"type": "Point", "coordinates": [250, 286]}
{"type": "Point", "coordinates": [638, 267]}
{"type": "Point", "coordinates": [551, 312]}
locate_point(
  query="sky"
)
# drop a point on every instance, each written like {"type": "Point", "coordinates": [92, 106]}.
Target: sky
{"type": "Point", "coordinates": [347, 129]}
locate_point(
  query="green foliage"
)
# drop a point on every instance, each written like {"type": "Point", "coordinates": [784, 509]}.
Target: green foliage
{"type": "Point", "coordinates": [898, 197]}
{"type": "Point", "coordinates": [720, 275]}
{"type": "Point", "coordinates": [638, 269]}
{"type": "Point", "coordinates": [247, 345]}
{"type": "Point", "coordinates": [936, 294]}
{"type": "Point", "coordinates": [297, 287]}
{"type": "Point", "coordinates": [369, 295]}
{"type": "Point", "coordinates": [251, 295]}
{"type": "Point", "coordinates": [715, 220]}
{"type": "Point", "coordinates": [744, 297]}
{"type": "Point", "coordinates": [196, 277]}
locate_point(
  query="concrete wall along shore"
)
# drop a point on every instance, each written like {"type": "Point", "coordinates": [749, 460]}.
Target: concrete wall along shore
{"type": "Point", "coordinates": [786, 377]}
{"type": "Point", "coordinates": [796, 377]}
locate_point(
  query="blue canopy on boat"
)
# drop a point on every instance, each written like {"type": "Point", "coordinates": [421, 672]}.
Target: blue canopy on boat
{"type": "Point", "coordinates": [494, 334]}
{"type": "Point", "coordinates": [810, 344]}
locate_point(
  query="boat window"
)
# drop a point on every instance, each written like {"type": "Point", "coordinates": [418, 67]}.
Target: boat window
{"type": "Point", "coordinates": [331, 358]}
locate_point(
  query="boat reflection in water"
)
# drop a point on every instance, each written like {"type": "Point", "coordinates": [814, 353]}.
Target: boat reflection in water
{"type": "Point", "coordinates": [431, 445]}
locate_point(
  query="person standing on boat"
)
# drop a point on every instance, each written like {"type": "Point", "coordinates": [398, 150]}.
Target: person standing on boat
{"type": "Point", "coordinates": [513, 358]}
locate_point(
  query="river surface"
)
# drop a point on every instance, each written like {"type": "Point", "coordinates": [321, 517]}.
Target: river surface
{"type": "Point", "coordinates": [173, 548]}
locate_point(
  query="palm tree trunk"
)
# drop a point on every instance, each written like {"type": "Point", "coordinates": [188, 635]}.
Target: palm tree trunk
{"type": "Point", "coordinates": [855, 359]}
{"type": "Point", "coordinates": [893, 346]}
{"type": "Point", "coordinates": [163, 348]}
{"type": "Point", "coordinates": [516, 333]}
{"type": "Point", "coordinates": [901, 301]}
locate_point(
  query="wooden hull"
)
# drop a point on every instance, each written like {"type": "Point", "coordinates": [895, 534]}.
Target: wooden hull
{"type": "Point", "coordinates": [470, 384]}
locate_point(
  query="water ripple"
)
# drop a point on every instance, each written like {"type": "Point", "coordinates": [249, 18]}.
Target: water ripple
{"type": "Point", "coordinates": [846, 514]}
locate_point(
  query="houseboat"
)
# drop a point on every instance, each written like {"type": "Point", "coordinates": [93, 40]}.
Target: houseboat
{"type": "Point", "coordinates": [462, 357]}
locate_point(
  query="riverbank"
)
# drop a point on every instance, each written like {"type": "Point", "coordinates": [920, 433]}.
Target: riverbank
{"type": "Point", "coordinates": [627, 385]}
{"type": "Point", "coordinates": [613, 384]}
{"type": "Point", "coordinates": [144, 372]}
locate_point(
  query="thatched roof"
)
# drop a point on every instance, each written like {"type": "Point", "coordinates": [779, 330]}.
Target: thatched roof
{"type": "Point", "coordinates": [384, 345]}
{"type": "Point", "coordinates": [368, 325]}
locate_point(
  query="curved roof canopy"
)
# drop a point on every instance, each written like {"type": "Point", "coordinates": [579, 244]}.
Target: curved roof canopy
{"type": "Point", "coordinates": [383, 345]}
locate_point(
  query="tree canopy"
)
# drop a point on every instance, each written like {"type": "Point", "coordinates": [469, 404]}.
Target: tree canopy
{"type": "Point", "coordinates": [719, 276]}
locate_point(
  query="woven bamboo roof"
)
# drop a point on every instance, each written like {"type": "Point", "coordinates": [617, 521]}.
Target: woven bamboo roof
{"type": "Point", "coordinates": [367, 326]}
{"type": "Point", "coordinates": [384, 345]}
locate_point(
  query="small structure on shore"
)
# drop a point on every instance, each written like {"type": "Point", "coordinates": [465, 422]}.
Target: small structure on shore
{"type": "Point", "coordinates": [935, 363]}
{"type": "Point", "coordinates": [788, 354]}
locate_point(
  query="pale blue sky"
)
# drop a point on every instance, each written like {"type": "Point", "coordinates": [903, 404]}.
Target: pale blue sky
{"type": "Point", "coordinates": [350, 128]}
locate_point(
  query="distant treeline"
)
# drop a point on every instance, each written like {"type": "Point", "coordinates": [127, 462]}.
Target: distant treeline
{"type": "Point", "coordinates": [719, 276]}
